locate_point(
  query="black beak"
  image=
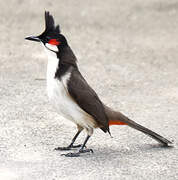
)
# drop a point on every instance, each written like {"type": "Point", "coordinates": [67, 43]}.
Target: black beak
{"type": "Point", "coordinates": [33, 38]}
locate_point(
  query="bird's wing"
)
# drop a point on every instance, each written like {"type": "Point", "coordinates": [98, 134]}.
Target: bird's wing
{"type": "Point", "coordinates": [87, 99]}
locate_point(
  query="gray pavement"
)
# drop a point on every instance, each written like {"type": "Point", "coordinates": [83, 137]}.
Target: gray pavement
{"type": "Point", "coordinates": [128, 52]}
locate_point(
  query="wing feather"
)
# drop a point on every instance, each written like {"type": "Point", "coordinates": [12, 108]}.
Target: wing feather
{"type": "Point", "coordinates": [87, 99]}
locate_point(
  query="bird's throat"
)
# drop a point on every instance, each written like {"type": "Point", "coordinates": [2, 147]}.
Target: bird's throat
{"type": "Point", "coordinates": [52, 66]}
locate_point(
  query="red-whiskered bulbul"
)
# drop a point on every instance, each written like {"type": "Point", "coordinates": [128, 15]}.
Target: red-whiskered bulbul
{"type": "Point", "coordinates": [71, 95]}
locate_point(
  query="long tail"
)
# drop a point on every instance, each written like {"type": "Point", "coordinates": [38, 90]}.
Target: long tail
{"type": "Point", "coordinates": [117, 118]}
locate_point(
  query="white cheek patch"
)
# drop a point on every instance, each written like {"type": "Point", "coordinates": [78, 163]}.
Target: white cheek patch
{"type": "Point", "coordinates": [51, 47]}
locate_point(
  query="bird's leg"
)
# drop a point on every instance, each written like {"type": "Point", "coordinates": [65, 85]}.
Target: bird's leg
{"type": "Point", "coordinates": [83, 149]}
{"type": "Point", "coordinates": [71, 144]}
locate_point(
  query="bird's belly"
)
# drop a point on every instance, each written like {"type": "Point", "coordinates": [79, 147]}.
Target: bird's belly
{"type": "Point", "coordinates": [66, 106]}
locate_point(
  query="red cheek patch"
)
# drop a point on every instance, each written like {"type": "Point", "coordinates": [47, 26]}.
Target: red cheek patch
{"type": "Point", "coordinates": [53, 42]}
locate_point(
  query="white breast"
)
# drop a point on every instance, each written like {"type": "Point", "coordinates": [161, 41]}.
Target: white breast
{"type": "Point", "coordinates": [60, 98]}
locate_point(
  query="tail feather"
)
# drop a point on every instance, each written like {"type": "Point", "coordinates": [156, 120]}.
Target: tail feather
{"type": "Point", "coordinates": [117, 118]}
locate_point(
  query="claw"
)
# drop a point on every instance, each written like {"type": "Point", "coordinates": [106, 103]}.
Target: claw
{"type": "Point", "coordinates": [62, 148]}
{"type": "Point", "coordinates": [77, 154]}
{"type": "Point", "coordinates": [85, 150]}
{"type": "Point", "coordinates": [67, 148]}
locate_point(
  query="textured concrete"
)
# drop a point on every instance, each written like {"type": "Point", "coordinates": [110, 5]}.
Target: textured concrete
{"type": "Point", "coordinates": [128, 52]}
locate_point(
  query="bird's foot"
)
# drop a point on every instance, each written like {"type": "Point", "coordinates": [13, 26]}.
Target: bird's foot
{"type": "Point", "coordinates": [77, 154]}
{"type": "Point", "coordinates": [68, 147]}
{"type": "Point", "coordinates": [85, 150]}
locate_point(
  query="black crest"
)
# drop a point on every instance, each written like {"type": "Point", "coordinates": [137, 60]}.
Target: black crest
{"type": "Point", "coordinates": [49, 22]}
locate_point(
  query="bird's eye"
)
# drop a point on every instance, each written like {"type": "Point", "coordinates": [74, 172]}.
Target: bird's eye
{"type": "Point", "coordinates": [48, 38]}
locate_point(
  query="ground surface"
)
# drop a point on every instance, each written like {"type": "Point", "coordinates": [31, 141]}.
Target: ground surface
{"type": "Point", "coordinates": [128, 52]}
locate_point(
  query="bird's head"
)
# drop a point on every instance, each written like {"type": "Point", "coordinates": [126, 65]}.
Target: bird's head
{"type": "Point", "coordinates": [52, 38]}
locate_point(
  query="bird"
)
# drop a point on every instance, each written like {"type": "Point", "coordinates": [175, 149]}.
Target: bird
{"type": "Point", "coordinates": [71, 95]}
